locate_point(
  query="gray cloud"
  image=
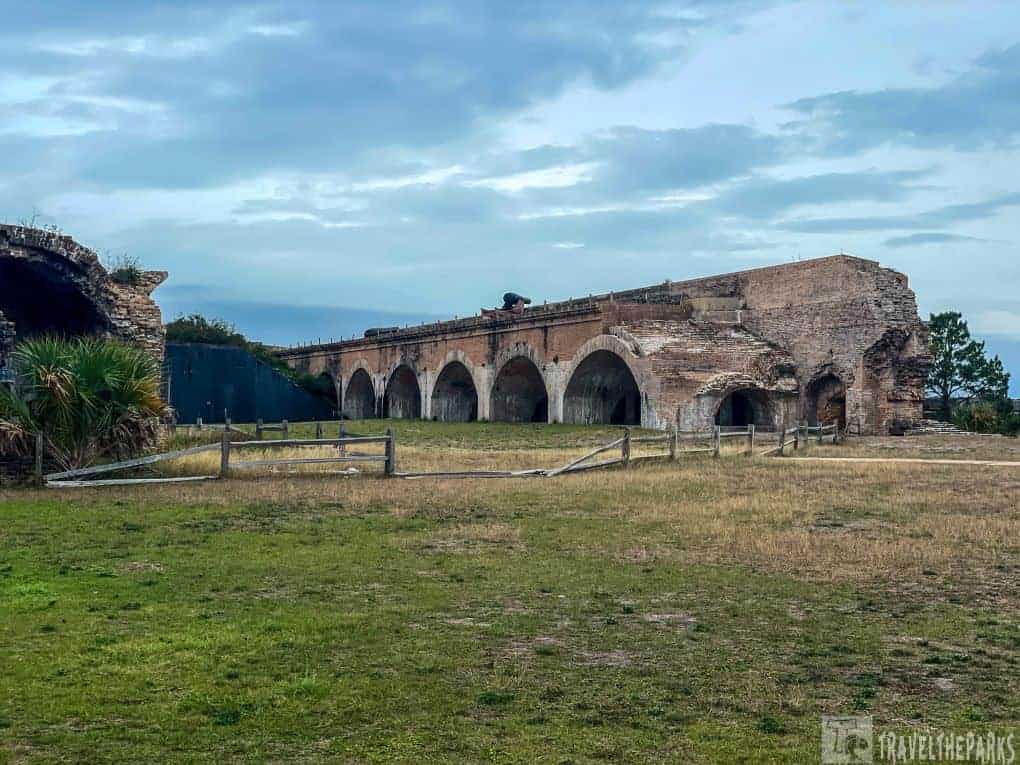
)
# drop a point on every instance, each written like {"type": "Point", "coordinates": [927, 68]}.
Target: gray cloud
{"type": "Point", "coordinates": [939, 217]}
{"type": "Point", "coordinates": [189, 95]}
{"type": "Point", "coordinates": [763, 198]}
{"type": "Point", "coordinates": [977, 109]}
{"type": "Point", "coordinates": [913, 240]}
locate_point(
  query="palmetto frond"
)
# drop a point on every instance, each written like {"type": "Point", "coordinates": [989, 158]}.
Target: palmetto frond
{"type": "Point", "coordinates": [89, 397]}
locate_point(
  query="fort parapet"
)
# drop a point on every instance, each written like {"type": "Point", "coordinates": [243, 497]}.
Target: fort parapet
{"type": "Point", "coordinates": [831, 338]}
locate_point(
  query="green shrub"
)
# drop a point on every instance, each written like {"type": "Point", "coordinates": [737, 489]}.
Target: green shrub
{"type": "Point", "coordinates": [125, 269]}
{"type": "Point", "coordinates": [90, 398]}
{"type": "Point", "coordinates": [987, 417]}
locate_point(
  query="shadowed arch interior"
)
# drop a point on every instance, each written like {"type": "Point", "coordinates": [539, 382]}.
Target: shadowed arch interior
{"type": "Point", "coordinates": [826, 401]}
{"type": "Point", "coordinates": [741, 408]}
{"type": "Point", "coordinates": [359, 401]}
{"type": "Point", "coordinates": [602, 391]}
{"type": "Point", "coordinates": [454, 398]}
{"type": "Point", "coordinates": [402, 400]}
{"type": "Point", "coordinates": [519, 394]}
{"type": "Point", "coordinates": [41, 301]}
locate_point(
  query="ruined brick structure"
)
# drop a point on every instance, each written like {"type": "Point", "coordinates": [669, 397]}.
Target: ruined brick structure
{"type": "Point", "coordinates": [50, 284]}
{"type": "Point", "coordinates": [837, 337]}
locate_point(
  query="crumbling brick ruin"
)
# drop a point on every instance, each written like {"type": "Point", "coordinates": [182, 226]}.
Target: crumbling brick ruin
{"type": "Point", "coordinates": [50, 284]}
{"type": "Point", "coordinates": [831, 338]}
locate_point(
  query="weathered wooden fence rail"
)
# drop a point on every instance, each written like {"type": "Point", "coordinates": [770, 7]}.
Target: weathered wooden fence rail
{"type": "Point", "coordinates": [62, 479]}
{"type": "Point", "coordinates": [388, 457]}
{"type": "Point", "coordinates": [797, 436]}
{"type": "Point", "coordinates": [226, 447]}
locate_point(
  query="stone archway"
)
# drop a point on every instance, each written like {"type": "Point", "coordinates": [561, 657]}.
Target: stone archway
{"type": "Point", "coordinates": [454, 397]}
{"type": "Point", "coordinates": [519, 393]}
{"type": "Point", "coordinates": [826, 401]}
{"type": "Point", "coordinates": [602, 391]}
{"type": "Point", "coordinates": [51, 285]}
{"type": "Point", "coordinates": [359, 397]}
{"type": "Point", "coordinates": [743, 407]}
{"type": "Point", "coordinates": [402, 399]}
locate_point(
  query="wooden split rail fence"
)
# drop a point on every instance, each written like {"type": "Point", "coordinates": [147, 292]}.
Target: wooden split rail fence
{"type": "Point", "coordinates": [802, 436]}
{"type": "Point", "coordinates": [230, 449]}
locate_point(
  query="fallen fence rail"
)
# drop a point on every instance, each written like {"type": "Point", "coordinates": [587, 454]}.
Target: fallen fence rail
{"type": "Point", "coordinates": [138, 462]}
{"type": "Point", "coordinates": [126, 481]}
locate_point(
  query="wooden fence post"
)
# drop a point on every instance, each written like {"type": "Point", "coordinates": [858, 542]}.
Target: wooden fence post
{"type": "Point", "coordinates": [674, 439]}
{"type": "Point", "coordinates": [750, 440]}
{"type": "Point", "coordinates": [225, 455]}
{"type": "Point", "coordinates": [796, 436]}
{"type": "Point", "coordinates": [819, 431]}
{"type": "Point", "coordinates": [625, 447]}
{"type": "Point", "coordinates": [40, 446]}
{"type": "Point", "coordinates": [258, 429]}
{"type": "Point", "coordinates": [343, 433]}
{"type": "Point", "coordinates": [391, 453]}
{"type": "Point", "coordinates": [285, 430]}
{"type": "Point", "coordinates": [782, 436]}
{"type": "Point", "coordinates": [716, 440]}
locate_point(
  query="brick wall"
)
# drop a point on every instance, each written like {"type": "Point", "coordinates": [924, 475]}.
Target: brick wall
{"type": "Point", "coordinates": [776, 331]}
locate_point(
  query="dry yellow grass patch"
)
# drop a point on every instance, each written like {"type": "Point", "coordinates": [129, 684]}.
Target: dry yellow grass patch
{"type": "Point", "coordinates": [475, 537]}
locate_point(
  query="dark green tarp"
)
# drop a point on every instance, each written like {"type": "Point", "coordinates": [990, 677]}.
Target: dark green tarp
{"type": "Point", "coordinates": [209, 380]}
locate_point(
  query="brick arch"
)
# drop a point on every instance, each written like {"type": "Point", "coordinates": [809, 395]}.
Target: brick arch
{"type": "Point", "coordinates": [360, 363]}
{"type": "Point", "coordinates": [646, 384]}
{"type": "Point", "coordinates": [614, 345]}
{"type": "Point", "coordinates": [360, 404]}
{"type": "Point", "coordinates": [453, 395]}
{"type": "Point", "coordinates": [519, 349]}
{"type": "Point", "coordinates": [402, 394]}
{"type": "Point", "coordinates": [520, 390]}
{"type": "Point", "coordinates": [330, 370]}
{"type": "Point", "coordinates": [743, 397]}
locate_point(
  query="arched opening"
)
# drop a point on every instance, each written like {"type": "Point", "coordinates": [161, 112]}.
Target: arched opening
{"type": "Point", "coordinates": [325, 388]}
{"type": "Point", "coordinates": [602, 391]}
{"type": "Point", "coordinates": [826, 401]}
{"type": "Point", "coordinates": [42, 301]}
{"type": "Point", "coordinates": [403, 396]}
{"type": "Point", "coordinates": [454, 398]}
{"type": "Point", "coordinates": [744, 407]}
{"type": "Point", "coordinates": [519, 393]}
{"type": "Point", "coordinates": [359, 401]}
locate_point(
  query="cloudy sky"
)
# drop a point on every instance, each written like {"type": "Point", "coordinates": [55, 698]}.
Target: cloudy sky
{"type": "Point", "coordinates": [305, 168]}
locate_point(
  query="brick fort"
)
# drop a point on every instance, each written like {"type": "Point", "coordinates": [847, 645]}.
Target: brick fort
{"type": "Point", "coordinates": [835, 338]}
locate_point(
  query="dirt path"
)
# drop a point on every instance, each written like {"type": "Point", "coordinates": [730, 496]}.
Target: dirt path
{"type": "Point", "coordinates": [909, 460]}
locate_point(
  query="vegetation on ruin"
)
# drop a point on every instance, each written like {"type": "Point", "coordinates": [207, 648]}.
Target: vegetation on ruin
{"type": "Point", "coordinates": [125, 269]}
{"type": "Point", "coordinates": [972, 389]}
{"type": "Point", "coordinates": [90, 399]}
{"type": "Point", "coordinates": [704, 611]}
{"type": "Point", "coordinates": [195, 328]}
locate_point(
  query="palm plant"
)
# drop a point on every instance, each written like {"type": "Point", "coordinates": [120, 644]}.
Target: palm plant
{"type": "Point", "coordinates": [90, 398]}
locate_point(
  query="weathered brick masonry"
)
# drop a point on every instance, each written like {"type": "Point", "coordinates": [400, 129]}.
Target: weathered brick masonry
{"type": "Point", "coordinates": [51, 284]}
{"type": "Point", "coordinates": [820, 339]}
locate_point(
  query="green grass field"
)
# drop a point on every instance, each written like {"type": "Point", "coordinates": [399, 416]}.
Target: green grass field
{"type": "Point", "coordinates": [705, 611]}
